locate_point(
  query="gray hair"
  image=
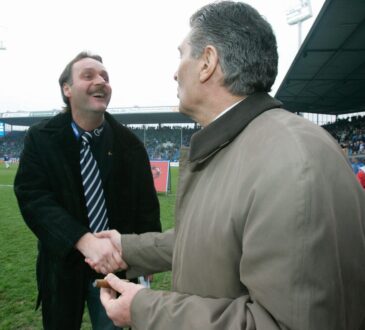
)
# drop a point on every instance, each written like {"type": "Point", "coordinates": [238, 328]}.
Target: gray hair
{"type": "Point", "coordinates": [245, 43]}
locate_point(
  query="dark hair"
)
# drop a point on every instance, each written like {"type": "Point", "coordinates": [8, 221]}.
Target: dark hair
{"type": "Point", "coordinates": [66, 75]}
{"type": "Point", "coordinates": [245, 43]}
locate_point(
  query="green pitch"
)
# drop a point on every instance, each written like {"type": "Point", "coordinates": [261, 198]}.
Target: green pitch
{"type": "Point", "coordinates": [18, 253]}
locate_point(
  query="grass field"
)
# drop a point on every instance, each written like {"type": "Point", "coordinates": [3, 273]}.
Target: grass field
{"type": "Point", "coordinates": [18, 253]}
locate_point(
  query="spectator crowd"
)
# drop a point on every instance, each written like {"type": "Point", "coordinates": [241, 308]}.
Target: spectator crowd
{"type": "Point", "coordinates": [349, 133]}
{"type": "Point", "coordinates": [11, 145]}
{"type": "Point", "coordinates": [164, 142]}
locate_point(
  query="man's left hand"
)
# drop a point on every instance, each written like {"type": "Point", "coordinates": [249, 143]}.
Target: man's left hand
{"type": "Point", "coordinates": [119, 309]}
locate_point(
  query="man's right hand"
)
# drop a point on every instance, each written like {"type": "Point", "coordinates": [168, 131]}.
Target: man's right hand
{"type": "Point", "coordinates": [114, 236]}
{"type": "Point", "coordinates": [101, 253]}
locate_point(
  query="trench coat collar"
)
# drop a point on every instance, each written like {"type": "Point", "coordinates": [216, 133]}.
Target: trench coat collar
{"type": "Point", "coordinates": [222, 131]}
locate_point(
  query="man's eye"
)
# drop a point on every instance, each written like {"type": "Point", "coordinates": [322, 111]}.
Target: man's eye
{"type": "Point", "coordinates": [88, 75]}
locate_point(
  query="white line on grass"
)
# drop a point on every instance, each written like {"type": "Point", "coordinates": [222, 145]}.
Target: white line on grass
{"type": "Point", "coordinates": [6, 185]}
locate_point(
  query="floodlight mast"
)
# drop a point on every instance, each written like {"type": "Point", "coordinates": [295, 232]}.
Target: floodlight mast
{"type": "Point", "coordinates": [299, 11]}
{"type": "Point", "coordinates": [2, 47]}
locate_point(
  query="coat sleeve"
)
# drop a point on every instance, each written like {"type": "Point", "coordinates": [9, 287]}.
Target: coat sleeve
{"type": "Point", "coordinates": [57, 229]}
{"type": "Point", "coordinates": [148, 253]}
{"type": "Point", "coordinates": [171, 310]}
{"type": "Point", "coordinates": [152, 252]}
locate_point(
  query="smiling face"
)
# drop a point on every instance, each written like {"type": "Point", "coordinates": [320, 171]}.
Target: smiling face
{"type": "Point", "coordinates": [90, 91]}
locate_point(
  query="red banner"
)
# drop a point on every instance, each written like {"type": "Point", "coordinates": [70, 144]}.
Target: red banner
{"type": "Point", "coordinates": [161, 174]}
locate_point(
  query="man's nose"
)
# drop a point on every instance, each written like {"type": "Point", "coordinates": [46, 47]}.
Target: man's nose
{"type": "Point", "coordinates": [100, 80]}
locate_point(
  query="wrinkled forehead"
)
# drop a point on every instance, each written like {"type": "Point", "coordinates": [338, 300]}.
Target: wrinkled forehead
{"type": "Point", "coordinates": [184, 46]}
{"type": "Point", "coordinates": [88, 64]}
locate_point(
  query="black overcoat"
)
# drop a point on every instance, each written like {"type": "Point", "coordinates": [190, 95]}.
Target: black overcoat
{"type": "Point", "coordinates": [50, 196]}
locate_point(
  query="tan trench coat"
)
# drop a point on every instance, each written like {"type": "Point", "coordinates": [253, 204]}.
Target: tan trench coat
{"type": "Point", "coordinates": [269, 231]}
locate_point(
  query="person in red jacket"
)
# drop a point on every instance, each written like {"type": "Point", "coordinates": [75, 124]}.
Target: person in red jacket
{"type": "Point", "coordinates": [361, 176]}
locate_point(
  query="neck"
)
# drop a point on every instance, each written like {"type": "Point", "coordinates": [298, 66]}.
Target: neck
{"type": "Point", "coordinates": [216, 108]}
{"type": "Point", "coordinates": [88, 122]}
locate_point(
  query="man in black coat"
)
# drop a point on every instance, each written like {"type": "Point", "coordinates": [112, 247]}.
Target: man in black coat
{"type": "Point", "coordinates": [50, 193]}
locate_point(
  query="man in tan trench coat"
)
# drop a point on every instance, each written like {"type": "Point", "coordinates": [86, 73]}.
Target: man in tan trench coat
{"type": "Point", "coordinates": [269, 216]}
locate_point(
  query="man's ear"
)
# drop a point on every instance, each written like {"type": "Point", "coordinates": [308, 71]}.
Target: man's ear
{"type": "Point", "coordinates": [66, 90]}
{"type": "Point", "coordinates": [210, 62]}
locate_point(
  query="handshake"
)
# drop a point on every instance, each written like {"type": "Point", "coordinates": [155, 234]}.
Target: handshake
{"type": "Point", "coordinates": [103, 251]}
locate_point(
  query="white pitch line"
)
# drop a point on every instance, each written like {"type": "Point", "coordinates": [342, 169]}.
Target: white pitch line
{"type": "Point", "coordinates": [6, 185]}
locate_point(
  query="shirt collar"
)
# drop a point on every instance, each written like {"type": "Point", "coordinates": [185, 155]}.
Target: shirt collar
{"type": "Point", "coordinates": [225, 111]}
{"type": "Point", "coordinates": [78, 131]}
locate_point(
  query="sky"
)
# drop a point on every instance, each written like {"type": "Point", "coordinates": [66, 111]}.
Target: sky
{"type": "Point", "coordinates": [137, 40]}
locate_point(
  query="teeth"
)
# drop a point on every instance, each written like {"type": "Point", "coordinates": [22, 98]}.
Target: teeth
{"type": "Point", "coordinates": [99, 94]}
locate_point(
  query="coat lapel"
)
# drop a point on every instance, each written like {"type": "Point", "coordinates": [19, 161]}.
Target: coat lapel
{"type": "Point", "coordinates": [66, 147]}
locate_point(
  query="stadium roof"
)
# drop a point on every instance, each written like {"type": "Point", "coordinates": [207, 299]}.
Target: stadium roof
{"type": "Point", "coordinates": [127, 116]}
{"type": "Point", "coordinates": [327, 75]}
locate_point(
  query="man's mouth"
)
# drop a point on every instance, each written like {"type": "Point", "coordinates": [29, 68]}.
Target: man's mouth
{"type": "Point", "coordinates": [99, 95]}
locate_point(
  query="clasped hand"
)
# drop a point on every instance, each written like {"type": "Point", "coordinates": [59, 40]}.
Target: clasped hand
{"type": "Point", "coordinates": [102, 251]}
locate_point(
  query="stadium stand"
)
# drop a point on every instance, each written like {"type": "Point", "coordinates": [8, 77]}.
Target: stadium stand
{"type": "Point", "coordinates": [164, 143]}
{"type": "Point", "coordinates": [349, 133]}
{"type": "Point", "coordinates": [12, 144]}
